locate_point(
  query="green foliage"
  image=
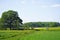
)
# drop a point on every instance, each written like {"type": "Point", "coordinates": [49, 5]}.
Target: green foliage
{"type": "Point", "coordinates": [10, 19]}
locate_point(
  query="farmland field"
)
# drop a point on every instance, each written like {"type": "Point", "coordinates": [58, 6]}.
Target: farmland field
{"type": "Point", "coordinates": [29, 35]}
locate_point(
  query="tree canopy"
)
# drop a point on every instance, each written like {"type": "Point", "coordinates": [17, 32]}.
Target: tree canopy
{"type": "Point", "coordinates": [10, 19]}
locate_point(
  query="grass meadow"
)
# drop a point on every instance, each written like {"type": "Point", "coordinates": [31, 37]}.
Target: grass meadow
{"type": "Point", "coordinates": [40, 34]}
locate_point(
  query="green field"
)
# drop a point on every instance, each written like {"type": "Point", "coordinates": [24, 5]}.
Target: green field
{"type": "Point", "coordinates": [48, 28]}
{"type": "Point", "coordinates": [29, 35]}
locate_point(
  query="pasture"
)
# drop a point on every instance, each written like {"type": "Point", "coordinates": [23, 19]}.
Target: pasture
{"type": "Point", "coordinates": [30, 34]}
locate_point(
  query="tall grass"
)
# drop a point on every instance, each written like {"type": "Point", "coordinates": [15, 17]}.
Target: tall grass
{"type": "Point", "coordinates": [13, 34]}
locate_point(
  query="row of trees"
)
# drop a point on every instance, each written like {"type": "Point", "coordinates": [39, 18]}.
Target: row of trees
{"type": "Point", "coordinates": [41, 24]}
{"type": "Point", "coordinates": [10, 19]}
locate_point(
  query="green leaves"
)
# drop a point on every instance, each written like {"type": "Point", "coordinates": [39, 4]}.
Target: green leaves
{"type": "Point", "coordinates": [10, 19]}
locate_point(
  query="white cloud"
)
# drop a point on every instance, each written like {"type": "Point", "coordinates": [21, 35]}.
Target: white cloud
{"type": "Point", "coordinates": [33, 1]}
{"type": "Point", "coordinates": [55, 5]}
{"type": "Point", "coordinates": [23, 2]}
{"type": "Point", "coordinates": [50, 6]}
{"type": "Point", "coordinates": [44, 6]}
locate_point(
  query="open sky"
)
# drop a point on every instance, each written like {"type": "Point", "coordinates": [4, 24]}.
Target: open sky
{"type": "Point", "coordinates": [33, 10]}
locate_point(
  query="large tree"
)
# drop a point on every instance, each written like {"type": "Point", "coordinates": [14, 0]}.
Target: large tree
{"type": "Point", "coordinates": [10, 19]}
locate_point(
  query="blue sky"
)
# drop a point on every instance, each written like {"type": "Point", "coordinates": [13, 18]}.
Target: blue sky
{"type": "Point", "coordinates": [33, 10]}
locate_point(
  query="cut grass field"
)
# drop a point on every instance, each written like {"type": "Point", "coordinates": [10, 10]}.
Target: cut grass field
{"type": "Point", "coordinates": [48, 28]}
{"type": "Point", "coordinates": [43, 35]}
{"type": "Point", "coordinates": [29, 35]}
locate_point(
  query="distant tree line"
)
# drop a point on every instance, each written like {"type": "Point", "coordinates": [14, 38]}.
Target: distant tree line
{"type": "Point", "coordinates": [41, 24]}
